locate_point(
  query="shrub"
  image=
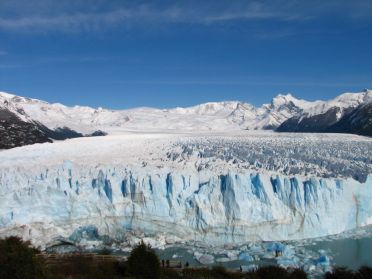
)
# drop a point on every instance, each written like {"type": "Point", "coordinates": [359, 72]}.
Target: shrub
{"type": "Point", "coordinates": [272, 272]}
{"type": "Point", "coordinates": [143, 263]}
{"type": "Point", "coordinates": [166, 273]}
{"type": "Point", "coordinates": [276, 272]}
{"type": "Point", "coordinates": [219, 272]}
{"type": "Point", "coordinates": [17, 260]}
{"type": "Point", "coordinates": [79, 266]}
{"type": "Point", "coordinates": [75, 266]}
{"type": "Point", "coordinates": [196, 273]}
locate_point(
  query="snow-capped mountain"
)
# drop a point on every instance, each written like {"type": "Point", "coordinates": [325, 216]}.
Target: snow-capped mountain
{"type": "Point", "coordinates": [57, 121]}
{"type": "Point", "coordinates": [347, 113]}
{"type": "Point", "coordinates": [358, 121]}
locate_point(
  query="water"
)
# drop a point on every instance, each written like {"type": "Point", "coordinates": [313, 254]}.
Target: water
{"type": "Point", "coordinates": [350, 253]}
{"type": "Point", "coordinates": [184, 255]}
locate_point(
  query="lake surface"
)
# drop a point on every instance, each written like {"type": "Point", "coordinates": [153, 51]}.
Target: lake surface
{"type": "Point", "coordinates": [352, 249]}
{"type": "Point", "coordinates": [351, 253]}
{"type": "Point", "coordinates": [315, 256]}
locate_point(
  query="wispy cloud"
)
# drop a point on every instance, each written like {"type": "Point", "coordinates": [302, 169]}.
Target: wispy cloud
{"type": "Point", "coordinates": [253, 11]}
{"type": "Point", "coordinates": [3, 52]}
{"type": "Point", "coordinates": [95, 19]}
{"type": "Point", "coordinates": [77, 15]}
{"type": "Point", "coordinates": [65, 22]}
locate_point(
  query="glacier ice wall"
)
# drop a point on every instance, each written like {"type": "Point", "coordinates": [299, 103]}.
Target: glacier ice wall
{"type": "Point", "coordinates": [41, 204]}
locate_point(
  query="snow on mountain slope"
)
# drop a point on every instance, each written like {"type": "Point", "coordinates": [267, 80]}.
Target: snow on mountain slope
{"type": "Point", "coordinates": [368, 96]}
{"type": "Point", "coordinates": [212, 108]}
{"type": "Point", "coordinates": [343, 101]}
{"type": "Point", "coordinates": [217, 116]}
{"type": "Point", "coordinates": [212, 188]}
{"type": "Point", "coordinates": [347, 113]}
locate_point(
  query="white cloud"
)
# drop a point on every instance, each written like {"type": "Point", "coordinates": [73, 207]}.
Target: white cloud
{"type": "Point", "coordinates": [94, 20]}
{"type": "Point", "coordinates": [77, 15]}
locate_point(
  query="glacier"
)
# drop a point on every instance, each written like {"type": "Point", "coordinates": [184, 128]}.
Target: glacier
{"type": "Point", "coordinates": [47, 193]}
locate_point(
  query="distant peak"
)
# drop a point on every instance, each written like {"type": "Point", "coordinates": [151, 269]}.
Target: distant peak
{"type": "Point", "coordinates": [287, 95]}
{"type": "Point", "coordinates": [367, 96]}
{"type": "Point", "coordinates": [19, 99]}
{"type": "Point", "coordinates": [7, 95]}
{"type": "Point", "coordinates": [283, 99]}
{"type": "Point", "coordinates": [350, 98]}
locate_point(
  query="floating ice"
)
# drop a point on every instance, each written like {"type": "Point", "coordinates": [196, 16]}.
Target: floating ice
{"type": "Point", "coordinates": [204, 258]}
{"type": "Point", "coordinates": [323, 260]}
{"type": "Point", "coordinates": [223, 260]}
{"type": "Point", "coordinates": [245, 256]}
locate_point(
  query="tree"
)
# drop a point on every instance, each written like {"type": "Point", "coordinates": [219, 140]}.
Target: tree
{"type": "Point", "coordinates": [143, 263]}
{"type": "Point", "coordinates": [18, 261]}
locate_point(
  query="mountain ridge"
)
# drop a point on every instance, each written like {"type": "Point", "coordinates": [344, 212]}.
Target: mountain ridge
{"type": "Point", "coordinates": [285, 113]}
{"type": "Point", "coordinates": [335, 116]}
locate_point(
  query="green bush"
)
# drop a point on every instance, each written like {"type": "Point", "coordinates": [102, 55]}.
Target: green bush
{"type": "Point", "coordinates": [80, 266]}
{"type": "Point", "coordinates": [196, 273]}
{"type": "Point", "coordinates": [272, 272]}
{"type": "Point", "coordinates": [143, 263]}
{"type": "Point", "coordinates": [276, 272]}
{"type": "Point", "coordinates": [219, 272]}
{"type": "Point", "coordinates": [18, 261]}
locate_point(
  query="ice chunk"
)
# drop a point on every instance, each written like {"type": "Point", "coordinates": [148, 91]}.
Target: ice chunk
{"type": "Point", "coordinates": [205, 259]}
{"type": "Point", "coordinates": [324, 260]}
{"type": "Point", "coordinates": [288, 262]}
{"type": "Point", "coordinates": [245, 256]}
{"type": "Point", "coordinates": [223, 260]}
{"type": "Point", "coordinates": [276, 247]}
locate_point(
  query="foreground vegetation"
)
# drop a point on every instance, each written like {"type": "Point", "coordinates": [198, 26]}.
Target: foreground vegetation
{"type": "Point", "coordinates": [19, 260]}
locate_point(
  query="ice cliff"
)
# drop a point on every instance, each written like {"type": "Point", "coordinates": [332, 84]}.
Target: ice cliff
{"type": "Point", "coordinates": [229, 208]}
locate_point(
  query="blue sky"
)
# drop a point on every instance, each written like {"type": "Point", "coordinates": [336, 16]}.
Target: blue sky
{"type": "Point", "coordinates": [121, 54]}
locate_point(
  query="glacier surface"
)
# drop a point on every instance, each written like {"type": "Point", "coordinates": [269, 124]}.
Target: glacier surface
{"type": "Point", "coordinates": [153, 186]}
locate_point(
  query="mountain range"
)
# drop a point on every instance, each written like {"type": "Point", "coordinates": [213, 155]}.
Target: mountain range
{"type": "Point", "coordinates": [26, 121]}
